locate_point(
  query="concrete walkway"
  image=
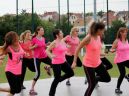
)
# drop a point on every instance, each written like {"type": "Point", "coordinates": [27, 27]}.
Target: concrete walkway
{"type": "Point", "coordinates": [77, 88]}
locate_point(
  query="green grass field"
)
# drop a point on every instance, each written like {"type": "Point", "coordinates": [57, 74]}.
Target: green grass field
{"type": "Point", "coordinates": [78, 71]}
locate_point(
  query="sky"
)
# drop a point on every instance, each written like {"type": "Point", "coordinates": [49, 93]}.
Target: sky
{"type": "Point", "coordinates": [41, 6]}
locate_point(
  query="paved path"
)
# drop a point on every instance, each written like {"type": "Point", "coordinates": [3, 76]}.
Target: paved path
{"type": "Point", "coordinates": [76, 89]}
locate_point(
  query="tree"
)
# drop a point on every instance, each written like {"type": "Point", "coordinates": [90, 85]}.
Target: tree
{"type": "Point", "coordinates": [112, 31]}
{"type": "Point", "coordinates": [89, 14]}
{"type": "Point", "coordinates": [64, 25]}
{"type": "Point", "coordinates": [6, 24]}
{"type": "Point", "coordinates": [100, 13]}
{"type": "Point", "coordinates": [9, 23]}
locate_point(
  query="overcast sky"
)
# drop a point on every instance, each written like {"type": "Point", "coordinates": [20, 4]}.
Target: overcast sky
{"type": "Point", "coordinates": [40, 6]}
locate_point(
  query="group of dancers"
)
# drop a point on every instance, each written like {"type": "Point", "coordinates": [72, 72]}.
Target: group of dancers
{"type": "Point", "coordinates": [62, 55]}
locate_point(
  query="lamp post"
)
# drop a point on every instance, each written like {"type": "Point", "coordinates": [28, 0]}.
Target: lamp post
{"type": "Point", "coordinates": [17, 24]}
{"type": "Point", "coordinates": [68, 12]}
{"type": "Point", "coordinates": [107, 16]}
{"type": "Point", "coordinates": [59, 11]}
{"type": "Point", "coordinates": [85, 16]}
{"type": "Point", "coordinates": [95, 16]}
{"type": "Point", "coordinates": [32, 16]}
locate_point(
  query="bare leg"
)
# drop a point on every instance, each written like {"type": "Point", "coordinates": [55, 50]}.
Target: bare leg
{"type": "Point", "coordinates": [5, 89]}
{"type": "Point", "coordinates": [10, 94]}
{"type": "Point", "coordinates": [33, 85]}
{"type": "Point", "coordinates": [32, 91]}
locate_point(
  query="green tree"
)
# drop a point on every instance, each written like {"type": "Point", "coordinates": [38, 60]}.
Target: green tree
{"type": "Point", "coordinates": [110, 35]}
{"type": "Point", "coordinates": [89, 14]}
{"type": "Point", "coordinates": [6, 24]}
{"type": "Point", "coordinates": [48, 27]}
{"type": "Point", "coordinates": [9, 23]}
{"type": "Point", "coordinates": [100, 13]}
{"type": "Point", "coordinates": [64, 25]}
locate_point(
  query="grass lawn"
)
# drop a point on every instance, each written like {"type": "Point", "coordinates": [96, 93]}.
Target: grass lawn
{"type": "Point", "coordinates": [78, 71]}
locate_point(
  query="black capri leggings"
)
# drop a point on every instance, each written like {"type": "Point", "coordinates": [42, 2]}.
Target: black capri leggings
{"type": "Point", "coordinates": [107, 64]}
{"type": "Point", "coordinates": [121, 66]}
{"type": "Point", "coordinates": [27, 63]}
{"type": "Point", "coordinates": [103, 76]}
{"type": "Point", "coordinates": [69, 59]}
{"type": "Point", "coordinates": [14, 82]}
{"type": "Point", "coordinates": [37, 63]}
{"type": "Point", "coordinates": [57, 68]}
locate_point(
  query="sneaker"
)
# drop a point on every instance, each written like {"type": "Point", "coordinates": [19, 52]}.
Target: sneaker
{"type": "Point", "coordinates": [48, 70]}
{"type": "Point", "coordinates": [51, 95]}
{"type": "Point", "coordinates": [97, 85]}
{"type": "Point", "coordinates": [126, 77]}
{"type": "Point", "coordinates": [68, 83]}
{"type": "Point", "coordinates": [118, 91]}
{"type": "Point", "coordinates": [86, 81]}
{"type": "Point", "coordinates": [23, 87]}
{"type": "Point", "coordinates": [32, 92]}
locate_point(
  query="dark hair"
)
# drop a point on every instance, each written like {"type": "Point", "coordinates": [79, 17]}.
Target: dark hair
{"type": "Point", "coordinates": [10, 38]}
{"type": "Point", "coordinates": [121, 29]}
{"type": "Point", "coordinates": [95, 26]}
{"type": "Point", "coordinates": [56, 32]}
{"type": "Point", "coordinates": [36, 31]}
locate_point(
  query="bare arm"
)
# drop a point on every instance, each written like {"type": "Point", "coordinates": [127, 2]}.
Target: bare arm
{"type": "Point", "coordinates": [84, 42]}
{"type": "Point", "coordinates": [48, 50]}
{"type": "Point", "coordinates": [2, 54]}
{"type": "Point", "coordinates": [33, 47]}
{"type": "Point", "coordinates": [114, 46]}
{"type": "Point", "coordinates": [1, 58]}
{"type": "Point", "coordinates": [64, 39]}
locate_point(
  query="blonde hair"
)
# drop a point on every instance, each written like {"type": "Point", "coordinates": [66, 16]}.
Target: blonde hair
{"type": "Point", "coordinates": [73, 30]}
{"type": "Point", "coordinates": [22, 36]}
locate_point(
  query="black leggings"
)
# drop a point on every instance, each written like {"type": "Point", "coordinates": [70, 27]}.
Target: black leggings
{"type": "Point", "coordinates": [121, 67]}
{"type": "Point", "coordinates": [103, 76]}
{"type": "Point", "coordinates": [27, 63]}
{"type": "Point", "coordinates": [14, 82]}
{"type": "Point", "coordinates": [37, 63]}
{"type": "Point", "coordinates": [57, 68]}
{"type": "Point", "coordinates": [69, 59]}
{"type": "Point", "coordinates": [107, 63]}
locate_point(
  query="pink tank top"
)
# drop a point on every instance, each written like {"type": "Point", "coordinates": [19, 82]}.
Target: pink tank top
{"type": "Point", "coordinates": [40, 51]}
{"type": "Point", "coordinates": [14, 65]}
{"type": "Point", "coordinates": [72, 44]}
{"type": "Point", "coordinates": [26, 47]}
{"type": "Point", "coordinates": [92, 55]}
{"type": "Point", "coordinates": [122, 52]}
{"type": "Point", "coordinates": [59, 51]}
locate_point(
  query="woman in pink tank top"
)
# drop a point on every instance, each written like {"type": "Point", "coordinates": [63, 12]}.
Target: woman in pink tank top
{"type": "Point", "coordinates": [58, 48]}
{"type": "Point", "coordinates": [91, 61]}
{"type": "Point", "coordinates": [121, 46]}
{"type": "Point", "coordinates": [14, 63]}
{"type": "Point", "coordinates": [72, 42]}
